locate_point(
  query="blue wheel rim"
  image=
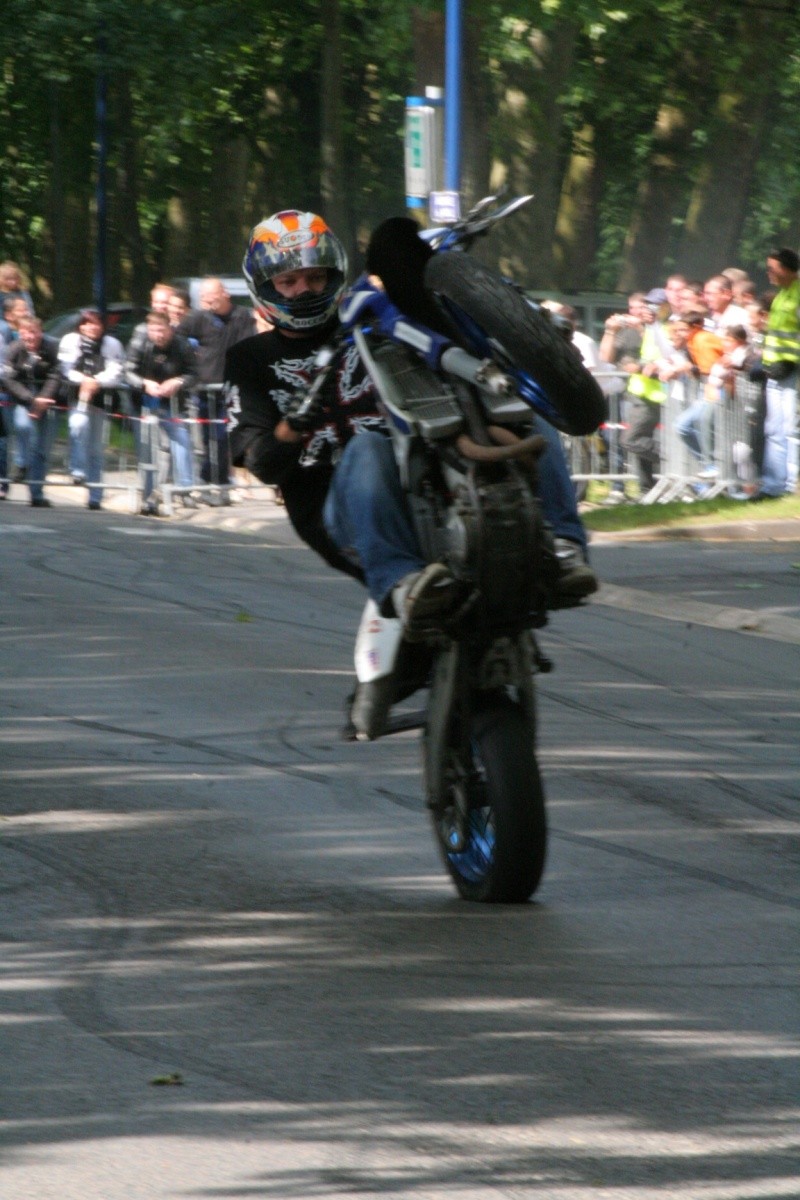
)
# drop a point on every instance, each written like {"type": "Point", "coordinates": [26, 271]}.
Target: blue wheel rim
{"type": "Point", "coordinates": [474, 860]}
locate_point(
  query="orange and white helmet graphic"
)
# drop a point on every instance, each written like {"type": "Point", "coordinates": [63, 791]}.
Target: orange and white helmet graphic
{"type": "Point", "coordinates": [290, 241]}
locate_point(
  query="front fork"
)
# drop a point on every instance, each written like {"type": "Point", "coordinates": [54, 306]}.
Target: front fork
{"type": "Point", "coordinates": [461, 676]}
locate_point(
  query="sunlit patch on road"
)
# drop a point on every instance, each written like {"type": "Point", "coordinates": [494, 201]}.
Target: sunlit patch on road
{"type": "Point", "coordinates": [25, 529]}
{"type": "Point", "coordinates": [149, 532]}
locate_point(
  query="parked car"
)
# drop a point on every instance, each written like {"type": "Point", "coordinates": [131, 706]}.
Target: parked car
{"type": "Point", "coordinates": [121, 320]}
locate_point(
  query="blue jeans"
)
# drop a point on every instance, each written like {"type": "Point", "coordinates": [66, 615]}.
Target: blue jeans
{"type": "Point", "coordinates": [180, 444]}
{"type": "Point", "coordinates": [694, 427]}
{"type": "Point", "coordinates": [215, 467]}
{"type": "Point", "coordinates": [23, 425]}
{"type": "Point", "coordinates": [6, 420]}
{"type": "Point", "coordinates": [5, 415]}
{"type": "Point", "coordinates": [556, 489]}
{"type": "Point", "coordinates": [86, 437]}
{"type": "Point", "coordinates": [779, 472]}
{"type": "Point", "coordinates": [165, 448]}
{"type": "Point", "coordinates": [366, 510]}
{"type": "Point", "coordinates": [40, 441]}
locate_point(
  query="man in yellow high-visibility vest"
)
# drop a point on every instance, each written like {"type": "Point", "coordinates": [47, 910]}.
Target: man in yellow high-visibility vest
{"type": "Point", "coordinates": [781, 360]}
{"type": "Point", "coordinates": [646, 393]}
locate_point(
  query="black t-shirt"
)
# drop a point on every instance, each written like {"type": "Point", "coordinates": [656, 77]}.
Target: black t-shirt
{"type": "Point", "coordinates": [265, 377]}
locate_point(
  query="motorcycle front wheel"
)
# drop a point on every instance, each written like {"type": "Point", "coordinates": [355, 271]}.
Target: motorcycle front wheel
{"type": "Point", "coordinates": [527, 337]}
{"type": "Point", "coordinates": [491, 827]}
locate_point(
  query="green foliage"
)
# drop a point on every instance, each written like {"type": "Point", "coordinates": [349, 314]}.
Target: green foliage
{"type": "Point", "coordinates": [721, 510]}
{"type": "Point", "coordinates": [188, 79]}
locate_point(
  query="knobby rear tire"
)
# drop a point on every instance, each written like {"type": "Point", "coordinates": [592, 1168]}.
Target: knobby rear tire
{"type": "Point", "coordinates": [528, 338]}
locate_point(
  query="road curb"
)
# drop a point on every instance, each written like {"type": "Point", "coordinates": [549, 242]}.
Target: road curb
{"type": "Point", "coordinates": [787, 530]}
{"type": "Point", "coordinates": [252, 514]}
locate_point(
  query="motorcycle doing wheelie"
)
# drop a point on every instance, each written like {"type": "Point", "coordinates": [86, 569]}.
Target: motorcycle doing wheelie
{"type": "Point", "coordinates": [458, 395]}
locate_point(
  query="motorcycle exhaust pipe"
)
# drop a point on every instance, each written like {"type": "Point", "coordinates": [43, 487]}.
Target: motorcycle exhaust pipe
{"type": "Point", "coordinates": [482, 372]}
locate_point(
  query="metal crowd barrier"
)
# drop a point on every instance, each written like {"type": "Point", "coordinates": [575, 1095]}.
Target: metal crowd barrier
{"type": "Point", "coordinates": [119, 452]}
{"type": "Point", "coordinates": [130, 449]}
{"type": "Point", "coordinates": [723, 429]}
{"type": "Point", "coordinates": [729, 466]}
{"type": "Point", "coordinates": [601, 458]}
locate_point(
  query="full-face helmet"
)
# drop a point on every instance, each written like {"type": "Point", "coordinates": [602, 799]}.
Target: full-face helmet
{"type": "Point", "coordinates": [289, 241]}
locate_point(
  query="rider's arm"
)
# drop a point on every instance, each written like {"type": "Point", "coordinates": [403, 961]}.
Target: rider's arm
{"type": "Point", "coordinates": [254, 419]}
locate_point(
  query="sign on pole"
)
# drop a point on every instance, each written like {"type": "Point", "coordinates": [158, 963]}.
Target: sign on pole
{"type": "Point", "coordinates": [444, 208]}
{"type": "Point", "coordinates": [423, 149]}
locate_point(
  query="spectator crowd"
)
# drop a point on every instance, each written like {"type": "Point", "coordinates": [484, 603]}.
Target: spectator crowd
{"type": "Point", "coordinates": [709, 368]}
{"type": "Point", "coordinates": [168, 381]}
{"type": "Point", "coordinates": [680, 357]}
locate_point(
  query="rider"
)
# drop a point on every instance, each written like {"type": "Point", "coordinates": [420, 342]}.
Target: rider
{"type": "Point", "coordinates": [342, 492]}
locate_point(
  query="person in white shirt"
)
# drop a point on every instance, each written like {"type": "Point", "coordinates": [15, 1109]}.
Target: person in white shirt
{"type": "Point", "coordinates": [92, 362]}
{"type": "Point", "coordinates": [723, 314]}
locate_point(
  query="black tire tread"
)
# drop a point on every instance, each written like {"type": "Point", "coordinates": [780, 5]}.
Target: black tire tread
{"type": "Point", "coordinates": [529, 338]}
{"type": "Point", "coordinates": [514, 789]}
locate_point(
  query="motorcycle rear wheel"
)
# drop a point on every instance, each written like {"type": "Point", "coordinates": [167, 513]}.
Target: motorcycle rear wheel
{"type": "Point", "coordinates": [497, 854]}
{"type": "Point", "coordinates": [527, 338]}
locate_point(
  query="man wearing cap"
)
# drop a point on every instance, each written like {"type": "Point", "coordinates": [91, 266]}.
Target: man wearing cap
{"type": "Point", "coordinates": [92, 362]}
{"type": "Point", "coordinates": [780, 359]}
{"type": "Point", "coordinates": [646, 392]}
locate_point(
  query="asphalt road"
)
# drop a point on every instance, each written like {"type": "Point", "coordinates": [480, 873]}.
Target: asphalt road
{"type": "Point", "coordinates": [232, 966]}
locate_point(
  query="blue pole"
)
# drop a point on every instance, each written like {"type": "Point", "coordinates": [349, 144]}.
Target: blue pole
{"type": "Point", "coordinates": [101, 190]}
{"type": "Point", "coordinates": [452, 96]}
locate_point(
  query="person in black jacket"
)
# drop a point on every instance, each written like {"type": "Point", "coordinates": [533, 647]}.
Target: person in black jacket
{"type": "Point", "coordinates": [32, 381]}
{"type": "Point", "coordinates": [216, 326]}
{"type": "Point", "coordinates": [161, 369]}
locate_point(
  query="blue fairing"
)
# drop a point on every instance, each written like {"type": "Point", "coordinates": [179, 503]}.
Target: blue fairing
{"type": "Point", "coordinates": [366, 305]}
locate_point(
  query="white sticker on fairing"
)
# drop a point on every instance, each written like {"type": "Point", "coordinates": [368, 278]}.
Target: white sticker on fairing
{"type": "Point", "coordinates": [412, 337]}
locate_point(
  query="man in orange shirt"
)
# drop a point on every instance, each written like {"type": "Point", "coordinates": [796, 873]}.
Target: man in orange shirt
{"type": "Point", "coordinates": [695, 424]}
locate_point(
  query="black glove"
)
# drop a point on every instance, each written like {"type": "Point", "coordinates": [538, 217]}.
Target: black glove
{"type": "Point", "coordinates": [306, 416]}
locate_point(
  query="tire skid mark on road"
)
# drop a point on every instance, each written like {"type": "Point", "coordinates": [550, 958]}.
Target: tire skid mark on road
{"type": "Point", "coordinates": [154, 594]}
{"type": "Point", "coordinates": [684, 869]}
{"type": "Point", "coordinates": [80, 998]}
{"type": "Point", "coordinates": [199, 746]}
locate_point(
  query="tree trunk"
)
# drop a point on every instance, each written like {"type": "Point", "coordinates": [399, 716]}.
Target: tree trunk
{"type": "Point", "coordinates": [658, 200]}
{"type": "Point", "coordinates": [427, 33]}
{"type": "Point", "coordinates": [130, 231]}
{"type": "Point", "coordinates": [334, 187]}
{"type": "Point", "coordinates": [77, 249]}
{"type": "Point", "coordinates": [531, 149]}
{"type": "Point", "coordinates": [719, 202]}
{"type": "Point", "coordinates": [185, 249]}
{"type": "Point", "coordinates": [576, 224]}
{"type": "Point", "coordinates": [58, 281]}
{"type": "Point", "coordinates": [739, 128]}
{"type": "Point", "coordinates": [476, 155]}
{"type": "Point", "coordinates": [227, 229]}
